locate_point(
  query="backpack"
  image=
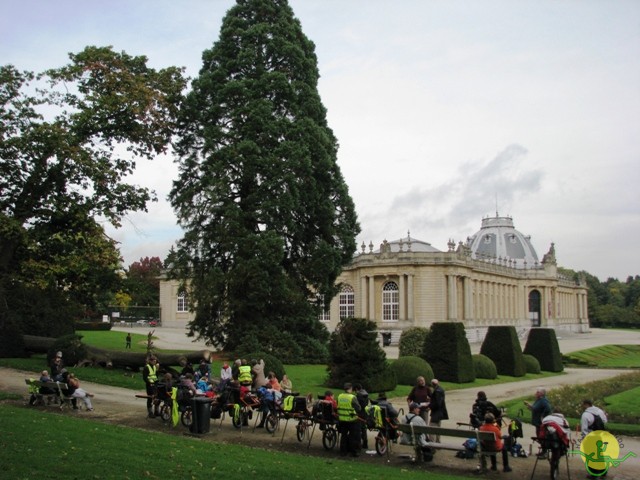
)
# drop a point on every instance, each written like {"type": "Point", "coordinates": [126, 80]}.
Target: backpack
{"type": "Point", "coordinates": [515, 428]}
{"type": "Point", "coordinates": [597, 423]}
{"type": "Point", "coordinates": [374, 416]}
{"type": "Point", "coordinates": [469, 449]}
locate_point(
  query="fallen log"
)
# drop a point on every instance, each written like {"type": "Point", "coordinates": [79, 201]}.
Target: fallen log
{"type": "Point", "coordinates": [116, 359]}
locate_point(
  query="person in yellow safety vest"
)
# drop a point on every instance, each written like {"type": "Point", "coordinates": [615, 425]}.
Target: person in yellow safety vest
{"type": "Point", "coordinates": [150, 376]}
{"type": "Point", "coordinates": [244, 374]}
{"type": "Point", "coordinates": [349, 422]}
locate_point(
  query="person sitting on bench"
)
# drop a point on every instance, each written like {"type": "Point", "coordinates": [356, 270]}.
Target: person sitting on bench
{"type": "Point", "coordinates": [497, 446]}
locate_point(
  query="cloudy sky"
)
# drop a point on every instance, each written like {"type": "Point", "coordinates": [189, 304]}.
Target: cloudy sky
{"type": "Point", "coordinates": [445, 111]}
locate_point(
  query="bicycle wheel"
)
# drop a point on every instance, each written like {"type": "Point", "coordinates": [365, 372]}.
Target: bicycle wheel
{"type": "Point", "coordinates": [381, 444]}
{"type": "Point", "coordinates": [271, 423]}
{"type": "Point", "coordinates": [187, 417]}
{"type": "Point", "coordinates": [329, 438]}
{"type": "Point", "coordinates": [301, 430]}
{"type": "Point", "coordinates": [165, 412]}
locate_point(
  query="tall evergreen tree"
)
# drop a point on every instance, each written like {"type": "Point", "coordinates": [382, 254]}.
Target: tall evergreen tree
{"type": "Point", "coordinates": [267, 216]}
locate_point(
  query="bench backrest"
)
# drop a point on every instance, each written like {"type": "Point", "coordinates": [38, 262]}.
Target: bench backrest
{"type": "Point", "coordinates": [486, 437]}
{"type": "Point", "coordinates": [52, 385]}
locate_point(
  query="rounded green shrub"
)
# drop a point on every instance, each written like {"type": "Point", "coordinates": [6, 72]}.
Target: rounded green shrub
{"type": "Point", "coordinates": [412, 341]}
{"type": "Point", "coordinates": [384, 382]}
{"type": "Point", "coordinates": [484, 367]}
{"type": "Point", "coordinates": [407, 369]}
{"type": "Point", "coordinates": [531, 363]}
{"type": "Point", "coordinates": [271, 363]}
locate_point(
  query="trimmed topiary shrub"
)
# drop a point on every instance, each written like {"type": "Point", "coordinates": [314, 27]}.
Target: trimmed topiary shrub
{"type": "Point", "coordinates": [502, 346]}
{"type": "Point", "coordinates": [542, 343]}
{"type": "Point", "coordinates": [412, 341]}
{"type": "Point", "coordinates": [531, 363]}
{"type": "Point", "coordinates": [447, 350]}
{"type": "Point", "coordinates": [409, 368]}
{"type": "Point", "coordinates": [484, 367]}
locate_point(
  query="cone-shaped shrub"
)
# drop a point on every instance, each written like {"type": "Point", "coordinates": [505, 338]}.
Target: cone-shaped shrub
{"type": "Point", "coordinates": [502, 346]}
{"type": "Point", "coordinates": [447, 350]}
{"type": "Point", "coordinates": [542, 343]}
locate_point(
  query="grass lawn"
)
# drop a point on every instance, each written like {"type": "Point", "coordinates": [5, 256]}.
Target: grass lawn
{"type": "Point", "coordinates": [112, 340]}
{"type": "Point", "coordinates": [619, 396]}
{"type": "Point", "coordinates": [51, 446]}
{"type": "Point", "coordinates": [607, 356]}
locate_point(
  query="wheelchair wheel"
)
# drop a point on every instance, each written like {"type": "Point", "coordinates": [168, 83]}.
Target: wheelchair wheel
{"type": "Point", "coordinates": [271, 423]}
{"type": "Point", "coordinates": [381, 444]}
{"type": "Point", "coordinates": [165, 412]}
{"type": "Point", "coordinates": [301, 430]}
{"type": "Point", "coordinates": [329, 438]}
{"type": "Point", "coordinates": [238, 420]}
{"type": "Point", "coordinates": [554, 462]}
{"type": "Point", "coordinates": [187, 417]}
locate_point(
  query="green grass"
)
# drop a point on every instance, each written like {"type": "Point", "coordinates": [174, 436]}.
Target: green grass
{"type": "Point", "coordinates": [44, 445]}
{"type": "Point", "coordinates": [112, 340]}
{"type": "Point", "coordinates": [619, 396]}
{"type": "Point", "coordinates": [607, 356]}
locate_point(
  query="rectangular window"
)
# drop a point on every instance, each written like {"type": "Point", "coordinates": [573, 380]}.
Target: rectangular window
{"type": "Point", "coordinates": [183, 305]}
{"type": "Point", "coordinates": [347, 304]}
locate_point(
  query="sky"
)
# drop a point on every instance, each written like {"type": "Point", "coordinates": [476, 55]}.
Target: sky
{"type": "Point", "coordinates": [446, 111]}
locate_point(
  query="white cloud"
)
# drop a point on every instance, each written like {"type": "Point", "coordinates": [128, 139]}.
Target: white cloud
{"type": "Point", "coordinates": [437, 106]}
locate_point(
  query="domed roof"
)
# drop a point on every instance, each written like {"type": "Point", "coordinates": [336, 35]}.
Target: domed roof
{"type": "Point", "coordinates": [406, 244]}
{"type": "Point", "coordinates": [498, 238]}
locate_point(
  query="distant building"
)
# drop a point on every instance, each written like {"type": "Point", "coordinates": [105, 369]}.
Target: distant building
{"type": "Point", "coordinates": [495, 278]}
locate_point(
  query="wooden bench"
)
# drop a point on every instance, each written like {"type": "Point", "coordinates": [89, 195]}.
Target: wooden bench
{"type": "Point", "coordinates": [429, 431]}
{"type": "Point", "coordinates": [59, 392]}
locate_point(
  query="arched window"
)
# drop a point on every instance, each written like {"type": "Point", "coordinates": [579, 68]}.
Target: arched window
{"type": "Point", "coordinates": [347, 302]}
{"type": "Point", "coordinates": [390, 302]}
{"type": "Point", "coordinates": [183, 304]}
{"type": "Point", "coordinates": [535, 309]}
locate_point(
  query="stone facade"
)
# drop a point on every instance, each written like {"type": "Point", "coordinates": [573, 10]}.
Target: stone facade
{"type": "Point", "coordinates": [409, 283]}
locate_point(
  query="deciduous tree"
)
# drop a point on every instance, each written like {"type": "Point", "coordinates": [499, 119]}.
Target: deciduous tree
{"type": "Point", "coordinates": [68, 139]}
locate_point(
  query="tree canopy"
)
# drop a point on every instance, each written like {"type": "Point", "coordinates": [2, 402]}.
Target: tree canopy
{"type": "Point", "coordinates": [69, 137]}
{"type": "Point", "coordinates": [267, 216]}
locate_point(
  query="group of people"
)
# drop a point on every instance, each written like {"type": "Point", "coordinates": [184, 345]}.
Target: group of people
{"type": "Point", "coordinates": [60, 374]}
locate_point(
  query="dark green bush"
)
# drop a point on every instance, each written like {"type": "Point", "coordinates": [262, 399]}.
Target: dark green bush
{"type": "Point", "coordinates": [502, 346]}
{"type": "Point", "coordinates": [484, 367]}
{"type": "Point", "coordinates": [92, 326]}
{"type": "Point", "coordinates": [447, 350]}
{"type": "Point", "coordinates": [384, 382]}
{"type": "Point", "coordinates": [531, 363]}
{"type": "Point", "coordinates": [355, 354]}
{"type": "Point", "coordinates": [409, 368]}
{"type": "Point", "coordinates": [412, 341]}
{"type": "Point", "coordinates": [72, 348]}
{"type": "Point", "coordinates": [11, 340]}
{"type": "Point", "coordinates": [542, 343]}
{"type": "Point", "coordinates": [271, 363]}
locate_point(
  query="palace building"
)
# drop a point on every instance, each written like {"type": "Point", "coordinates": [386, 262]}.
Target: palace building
{"type": "Point", "coordinates": [494, 278]}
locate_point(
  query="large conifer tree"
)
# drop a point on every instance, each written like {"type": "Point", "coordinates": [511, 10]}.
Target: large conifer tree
{"type": "Point", "coordinates": [267, 216]}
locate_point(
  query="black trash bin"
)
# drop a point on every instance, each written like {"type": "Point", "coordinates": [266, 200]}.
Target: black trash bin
{"type": "Point", "coordinates": [201, 408]}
